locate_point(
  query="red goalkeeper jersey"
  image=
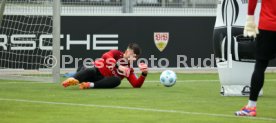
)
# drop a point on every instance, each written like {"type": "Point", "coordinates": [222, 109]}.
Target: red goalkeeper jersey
{"type": "Point", "coordinates": [102, 65]}
{"type": "Point", "coordinates": [268, 13]}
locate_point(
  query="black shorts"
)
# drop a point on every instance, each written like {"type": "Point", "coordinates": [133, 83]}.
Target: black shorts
{"type": "Point", "coordinates": [88, 74]}
{"type": "Point", "coordinates": [94, 75]}
{"type": "Point", "coordinates": [266, 45]}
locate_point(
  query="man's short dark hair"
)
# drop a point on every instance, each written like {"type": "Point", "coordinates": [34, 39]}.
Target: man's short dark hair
{"type": "Point", "coordinates": [135, 47]}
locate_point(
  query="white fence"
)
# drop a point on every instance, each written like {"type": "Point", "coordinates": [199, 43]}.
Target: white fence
{"type": "Point", "coordinates": [127, 7]}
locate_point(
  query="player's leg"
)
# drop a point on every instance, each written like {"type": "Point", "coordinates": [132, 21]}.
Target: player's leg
{"type": "Point", "coordinates": [106, 82]}
{"type": "Point", "coordinates": [257, 81]}
{"type": "Point", "coordinates": [71, 74]}
{"type": "Point", "coordinates": [80, 68]}
{"type": "Point", "coordinates": [265, 50]}
{"type": "Point", "coordinates": [84, 75]}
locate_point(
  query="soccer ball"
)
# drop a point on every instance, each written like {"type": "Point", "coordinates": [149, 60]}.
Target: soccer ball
{"type": "Point", "coordinates": [168, 78]}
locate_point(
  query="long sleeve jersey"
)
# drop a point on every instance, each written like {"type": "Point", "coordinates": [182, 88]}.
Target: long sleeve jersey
{"type": "Point", "coordinates": [114, 56]}
{"type": "Point", "coordinates": [268, 13]}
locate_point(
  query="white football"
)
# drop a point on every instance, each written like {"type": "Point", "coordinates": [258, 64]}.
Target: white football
{"type": "Point", "coordinates": [168, 78]}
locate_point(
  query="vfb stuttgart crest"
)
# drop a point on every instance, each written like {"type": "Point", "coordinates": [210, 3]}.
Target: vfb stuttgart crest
{"type": "Point", "coordinates": [161, 40]}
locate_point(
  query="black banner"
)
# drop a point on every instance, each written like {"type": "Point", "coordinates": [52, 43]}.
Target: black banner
{"type": "Point", "coordinates": [167, 41]}
{"type": "Point", "coordinates": [188, 36]}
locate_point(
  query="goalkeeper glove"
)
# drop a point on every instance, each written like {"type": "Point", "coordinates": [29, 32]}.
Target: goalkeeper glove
{"type": "Point", "coordinates": [143, 67]}
{"type": "Point", "coordinates": [250, 28]}
{"type": "Point", "coordinates": [122, 70]}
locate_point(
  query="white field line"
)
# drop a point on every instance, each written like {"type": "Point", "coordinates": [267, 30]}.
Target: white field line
{"type": "Point", "coordinates": [188, 81]}
{"type": "Point", "coordinates": [147, 81]}
{"type": "Point", "coordinates": [210, 80]}
{"type": "Point", "coordinates": [136, 109]}
{"type": "Point", "coordinates": [25, 82]}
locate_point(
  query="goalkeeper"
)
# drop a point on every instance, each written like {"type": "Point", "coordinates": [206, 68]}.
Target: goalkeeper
{"type": "Point", "coordinates": [265, 48]}
{"type": "Point", "coordinates": [110, 70]}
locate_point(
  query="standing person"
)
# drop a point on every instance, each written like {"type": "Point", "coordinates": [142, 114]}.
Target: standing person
{"type": "Point", "coordinates": [265, 48]}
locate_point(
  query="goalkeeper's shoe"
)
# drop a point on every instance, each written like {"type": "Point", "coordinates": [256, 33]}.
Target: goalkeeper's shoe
{"type": "Point", "coordinates": [69, 82]}
{"type": "Point", "coordinates": [247, 111]}
{"type": "Point", "coordinates": [84, 85]}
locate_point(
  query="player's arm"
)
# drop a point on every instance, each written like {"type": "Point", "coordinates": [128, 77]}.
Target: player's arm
{"type": "Point", "coordinates": [252, 6]}
{"type": "Point", "coordinates": [138, 82]}
{"type": "Point", "coordinates": [250, 28]}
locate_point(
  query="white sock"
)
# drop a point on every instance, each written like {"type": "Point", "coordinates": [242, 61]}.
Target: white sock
{"type": "Point", "coordinates": [252, 103]}
{"type": "Point", "coordinates": [91, 85]}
